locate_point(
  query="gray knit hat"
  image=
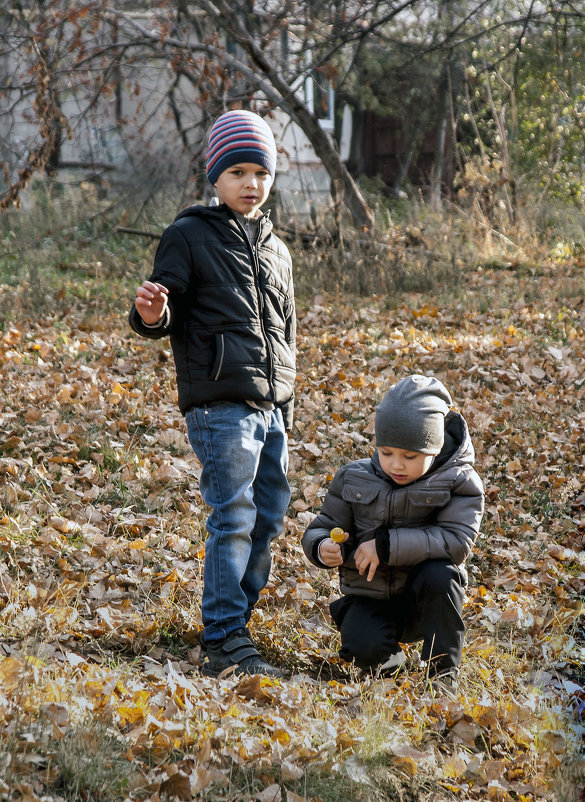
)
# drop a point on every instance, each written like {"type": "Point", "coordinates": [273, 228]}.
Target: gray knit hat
{"type": "Point", "coordinates": [412, 415]}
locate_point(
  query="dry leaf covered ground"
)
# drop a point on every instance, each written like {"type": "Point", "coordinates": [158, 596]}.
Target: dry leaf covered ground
{"type": "Point", "coordinates": [102, 541]}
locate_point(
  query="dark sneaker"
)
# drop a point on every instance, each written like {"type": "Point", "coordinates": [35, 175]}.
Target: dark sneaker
{"type": "Point", "coordinates": [238, 653]}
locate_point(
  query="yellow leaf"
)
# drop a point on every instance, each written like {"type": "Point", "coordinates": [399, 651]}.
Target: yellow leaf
{"type": "Point", "coordinates": [129, 714]}
{"type": "Point", "coordinates": [94, 687]}
{"type": "Point", "coordinates": [34, 661]}
{"type": "Point", "coordinates": [455, 789]}
{"type": "Point", "coordinates": [454, 767]}
{"type": "Point", "coordinates": [12, 670]}
{"type": "Point", "coordinates": [138, 544]}
{"type": "Point", "coordinates": [282, 736]}
{"type": "Point", "coordinates": [406, 763]}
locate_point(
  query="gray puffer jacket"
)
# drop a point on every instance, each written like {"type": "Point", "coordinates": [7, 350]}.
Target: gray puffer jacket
{"type": "Point", "coordinates": [435, 517]}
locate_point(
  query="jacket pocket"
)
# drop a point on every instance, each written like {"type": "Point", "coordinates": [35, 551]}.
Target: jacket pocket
{"type": "Point", "coordinates": [217, 365]}
{"type": "Point", "coordinates": [369, 505]}
{"type": "Point", "coordinates": [424, 502]}
{"type": "Point", "coordinates": [358, 493]}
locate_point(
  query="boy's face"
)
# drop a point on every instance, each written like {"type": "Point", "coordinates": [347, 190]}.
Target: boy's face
{"type": "Point", "coordinates": [404, 466]}
{"type": "Point", "coordinates": [244, 187]}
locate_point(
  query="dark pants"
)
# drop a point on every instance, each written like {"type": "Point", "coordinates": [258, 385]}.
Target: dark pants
{"type": "Point", "coordinates": [429, 609]}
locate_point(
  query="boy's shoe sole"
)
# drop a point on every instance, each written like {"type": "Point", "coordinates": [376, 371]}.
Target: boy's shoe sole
{"type": "Point", "coordinates": [237, 670]}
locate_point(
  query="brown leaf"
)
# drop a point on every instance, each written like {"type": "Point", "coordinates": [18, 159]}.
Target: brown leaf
{"type": "Point", "coordinates": [464, 732]}
{"type": "Point", "coordinates": [251, 686]}
{"type": "Point", "coordinates": [179, 785]}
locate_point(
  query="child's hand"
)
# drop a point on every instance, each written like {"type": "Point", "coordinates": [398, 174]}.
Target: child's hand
{"type": "Point", "coordinates": [151, 302]}
{"type": "Point", "coordinates": [330, 553]}
{"type": "Point", "coordinates": [366, 559]}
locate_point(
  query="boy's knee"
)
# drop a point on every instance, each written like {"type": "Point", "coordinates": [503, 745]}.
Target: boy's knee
{"type": "Point", "coordinates": [368, 631]}
{"type": "Point", "coordinates": [367, 646]}
{"type": "Point", "coordinates": [437, 577]}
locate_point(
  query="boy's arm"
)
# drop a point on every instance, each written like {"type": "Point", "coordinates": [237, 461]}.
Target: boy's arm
{"type": "Point", "coordinates": [291, 336]}
{"type": "Point", "coordinates": [334, 512]}
{"type": "Point", "coordinates": [450, 537]}
{"type": "Point", "coordinates": [172, 269]}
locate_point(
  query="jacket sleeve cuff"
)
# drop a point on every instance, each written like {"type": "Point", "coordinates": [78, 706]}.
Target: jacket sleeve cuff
{"type": "Point", "coordinates": [162, 323]}
{"type": "Point", "coordinates": [288, 414]}
{"type": "Point", "coordinates": [153, 332]}
{"type": "Point", "coordinates": [383, 544]}
{"type": "Point", "coordinates": [316, 555]}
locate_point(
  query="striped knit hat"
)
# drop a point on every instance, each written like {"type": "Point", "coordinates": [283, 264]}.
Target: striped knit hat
{"type": "Point", "coordinates": [239, 136]}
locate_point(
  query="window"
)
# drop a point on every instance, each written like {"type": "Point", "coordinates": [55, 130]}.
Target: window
{"type": "Point", "coordinates": [319, 97]}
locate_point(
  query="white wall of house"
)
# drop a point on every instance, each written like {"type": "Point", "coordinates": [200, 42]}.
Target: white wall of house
{"type": "Point", "coordinates": [144, 148]}
{"type": "Point", "coordinates": [302, 183]}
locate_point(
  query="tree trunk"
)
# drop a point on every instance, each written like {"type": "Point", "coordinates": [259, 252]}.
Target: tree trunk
{"type": "Point", "coordinates": [326, 150]}
{"type": "Point", "coordinates": [438, 170]}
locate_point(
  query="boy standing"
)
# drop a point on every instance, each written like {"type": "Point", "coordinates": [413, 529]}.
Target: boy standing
{"type": "Point", "coordinates": [412, 513]}
{"type": "Point", "coordinates": [222, 288]}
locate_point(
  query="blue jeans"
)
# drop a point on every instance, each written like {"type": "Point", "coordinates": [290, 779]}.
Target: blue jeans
{"type": "Point", "coordinates": [244, 458]}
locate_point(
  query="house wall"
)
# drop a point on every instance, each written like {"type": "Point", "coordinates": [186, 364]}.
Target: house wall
{"type": "Point", "coordinates": [302, 183]}
{"type": "Point", "coordinates": [134, 132]}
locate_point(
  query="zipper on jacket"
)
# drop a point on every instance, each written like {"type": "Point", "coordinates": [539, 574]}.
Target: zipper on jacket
{"type": "Point", "coordinates": [254, 251]}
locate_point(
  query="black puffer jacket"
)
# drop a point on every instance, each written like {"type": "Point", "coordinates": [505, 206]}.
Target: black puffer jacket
{"type": "Point", "coordinates": [232, 313]}
{"type": "Point", "coordinates": [435, 517]}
